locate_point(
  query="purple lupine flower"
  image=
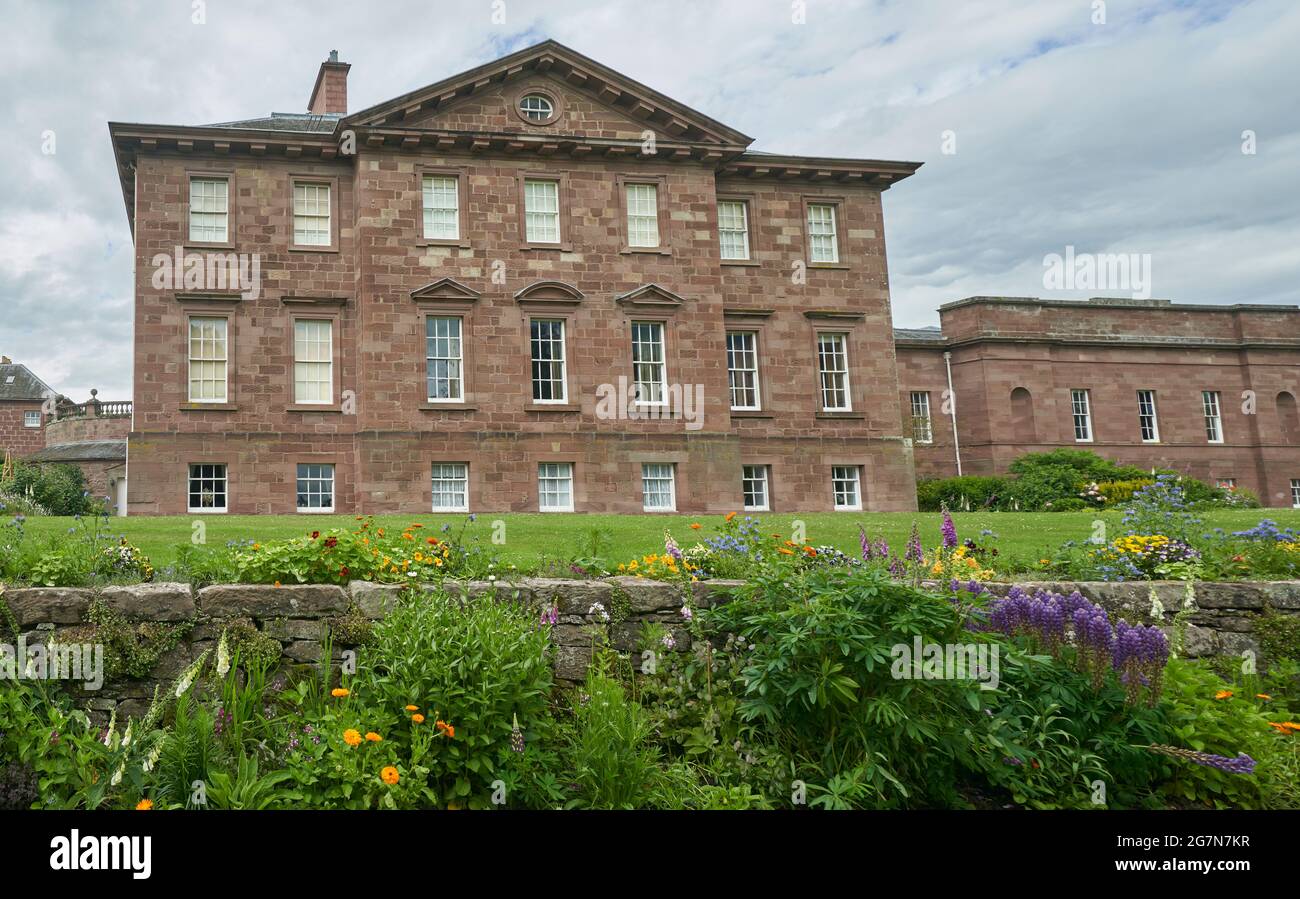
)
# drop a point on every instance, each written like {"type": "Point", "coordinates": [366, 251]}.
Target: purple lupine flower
{"type": "Point", "coordinates": [896, 570]}
{"type": "Point", "coordinates": [881, 548]}
{"type": "Point", "coordinates": [949, 530]}
{"type": "Point", "coordinates": [864, 543]}
{"type": "Point", "coordinates": [1242, 764]}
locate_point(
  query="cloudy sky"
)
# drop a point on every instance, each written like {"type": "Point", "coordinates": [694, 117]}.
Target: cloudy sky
{"type": "Point", "coordinates": [1122, 136]}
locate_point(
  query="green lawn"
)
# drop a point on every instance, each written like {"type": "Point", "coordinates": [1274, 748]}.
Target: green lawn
{"type": "Point", "coordinates": [530, 537]}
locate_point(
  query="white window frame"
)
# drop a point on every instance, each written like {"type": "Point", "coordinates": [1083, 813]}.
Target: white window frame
{"type": "Point", "coordinates": [1226, 483]}
{"type": "Point", "coordinates": [309, 197]}
{"type": "Point", "coordinates": [453, 360]}
{"type": "Point", "coordinates": [642, 200]}
{"type": "Point", "coordinates": [539, 222]}
{"type": "Point", "coordinates": [214, 350]}
{"type": "Point", "coordinates": [318, 478]}
{"type": "Point", "coordinates": [643, 368]}
{"type": "Point", "coordinates": [306, 346]}
{"type": "Point", "coordinates": [741, 361]}
{"type": "Point", "coordinates": [840, 474]}
{"type": "Point", "coordinates": [921, 420]}
{"type": "Point", "coordinates": [559, 473]}
{"type": "Point", "coordinates": [211, 477]}
{"type": "Point", "coordinates": [535, 342]}
{"type": "Point", "coordinates": [28, 415]}
{"type": "Point", "coordinates": [737, 234]}
{"type": "Point", "coordinates": [756, 474]}
{"type": "Point", "coordinates": [453, 477]}
{"type": "Point", "coordinates": [1213, 411]}
{"type": "Point", "coordinates": [658, 473]}
{"type": "Point", "coordinates": [834, 381]}
{"type": "Point", "coordinates": [435, 195]}
{"type": "Point", "coordinates": [1081, 414]}
{"type": "Point", "coordinates": [1295, 493]}
{"type": "Point", "coordinates": [209, 206]}
{"type": "Point", "coordinates": [528, 110]}
{"type": "Point", "coordinates": [1148, 417]}
{"type": "Point", "coordinates": [822, 228]}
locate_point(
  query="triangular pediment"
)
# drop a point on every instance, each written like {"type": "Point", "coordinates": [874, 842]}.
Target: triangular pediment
{"type": "Point", "coordinates": [445, 289]}
{"type": "Point", "coordinates": [594, 101]}
{"type": "Point", "coordinates": [650, 295]}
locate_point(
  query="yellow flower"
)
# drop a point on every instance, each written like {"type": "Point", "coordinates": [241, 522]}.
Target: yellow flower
{"type": "Point", "coordinates": [144, 805]}
{"type": "Point", "coordinates": [417, 719]}
{"type": "Point", "coordinates": [340, 692]}
{"type": "Point", "coordinates": [351, 737]}
{"type": "Point", "coordinates": [389, 775]}
{"type": "Point", "coordinates": [373, 737]}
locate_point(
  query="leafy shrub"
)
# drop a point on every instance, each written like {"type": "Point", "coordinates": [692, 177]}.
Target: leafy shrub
{"type": "Point", "coordinates": [1117, 492]}
{"type": "Point", "coordinates": [818, 680]}
{"type": "Point", "coordinates": [1086, 465]}
{"type": "Point", "coordinates": [966, 494]}
{"type": "Point", "coordinates": [478, 665]}
{"type": "Point", "coordinates": [54, 489]}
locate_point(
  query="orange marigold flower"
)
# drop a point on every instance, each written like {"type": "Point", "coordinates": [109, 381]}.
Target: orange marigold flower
{"type": "Point", "coordinates": [351, 737]}
{"type": "Point", "coordinates": [373, 737]}
{"type": "Point", "coordinates": [810, 551]}
{"type": "Point", "coordinates": [446, 728]}
{"type": "Point", "coordinates": [1223, 694]}
{"type": "Point", "coordinates": [413, 708]}
{"type": "Point", "coordinates": [1263, 696]}
{"type": "Point", "coordinates": [277, 583]}
{"type": "Point", "coordinates": [730, 515]}
{"type": "Point", "coordinates": [144, 805]}
{"type": "Point", "coordinates": [417, 718]}
{"type": "Point", "coordinates": [695, 526]}
{"type": "Point", "coordinates": [340, 692]}
{"type": "Point", "coordinates": [389, 775]}
{"type": "Point", "coordinates": [432, 541]}
{"type": "Point", "coordinates": [786, 552]}
{"type": "Point", "coordinates": [417, 525]}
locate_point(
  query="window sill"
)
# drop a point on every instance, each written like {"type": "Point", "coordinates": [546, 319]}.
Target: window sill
{"type": "Point", "coordinates": [846, 415]}
{"type": "Point", "coordinates": [750, 263]}
{"type": "Point", "coordinates": [295, 248]}
{"type": "Point", "coordinates": [653, 251]}
{"type": "Point", "coordinates": [206, 511]}
{"type": "Point", "coordinates": [200, 245]}
{"type": "Point", "coordinates": [833, 266]}
{"type": "Point", "coordinates": [750, 413]}
{"type": "Point", "coordinates": [552, 407]}
{"type": "Point", "coordinates": [443, 242]}
{"type": "Point", "coordinates": [209, 407]}
{"type": "Point", "coordinates": [447, 407]}
{"type": "Point", "coordinates": [309, 407]}
{"type": "Point", "coordinates": [561, 247]}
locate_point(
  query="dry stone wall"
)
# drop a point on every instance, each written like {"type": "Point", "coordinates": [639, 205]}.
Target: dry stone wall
{"type": "Point", "coordinates": [298, 616]}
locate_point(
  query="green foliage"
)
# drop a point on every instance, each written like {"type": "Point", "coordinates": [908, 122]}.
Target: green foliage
{"type": "Point", "coordinates": [1086, 465]}
{"type": "Point", "coordinates": [1117, 492]}
{"type": "Point", "coordinates": [1278, 636]}
{"type": "Point", "coordinates": [476, 665]}
{"type": "Point", "coordinates": [819, 681]}
{"type": "Point", "coordinates": [52, 489]}
{"type": "Point", "coordinates": [967, 493]}
{"type": "Point", "coordinates": [131, 649]}
{"type": "Point", "coordinates": [614, 763]}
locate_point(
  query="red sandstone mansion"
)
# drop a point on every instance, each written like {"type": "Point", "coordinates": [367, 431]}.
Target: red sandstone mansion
{"type": "Point", "coordinates": [541, 286]}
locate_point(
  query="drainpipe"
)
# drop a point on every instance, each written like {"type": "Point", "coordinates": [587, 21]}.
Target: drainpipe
{"type": "Point", "coordinates": [952, 410]}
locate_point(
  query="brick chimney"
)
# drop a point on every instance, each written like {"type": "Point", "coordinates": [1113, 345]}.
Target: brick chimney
{"type": "Point", "coordinates": [331, 91]}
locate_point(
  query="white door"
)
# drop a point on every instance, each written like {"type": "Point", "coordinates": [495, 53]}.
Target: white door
{"type": "Point", "coordinates": [121, 497]}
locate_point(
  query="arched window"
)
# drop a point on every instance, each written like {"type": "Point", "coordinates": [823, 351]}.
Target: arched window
{"type": "Point", "coordinates": [1288, 417]}
{"type": "Point", "coordinates": [1022, 416]}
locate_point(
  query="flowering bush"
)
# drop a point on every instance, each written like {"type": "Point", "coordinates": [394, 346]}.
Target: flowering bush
{"type": "Point", "coordinates": [367, 553]}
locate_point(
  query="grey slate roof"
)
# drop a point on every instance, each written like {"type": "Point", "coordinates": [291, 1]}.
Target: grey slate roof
{"type": "Point", "coordinates": [18, 383]}
{"type": "Point", "coordinates": [87, 451]}
{"type": "Point", "coordinates": [286, 121]}
{"type": "Point", "coordinates": [930, 333]}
